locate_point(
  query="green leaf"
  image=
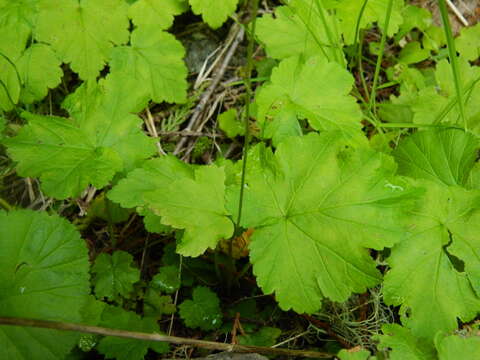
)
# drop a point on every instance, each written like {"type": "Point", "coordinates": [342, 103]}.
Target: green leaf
{"type": "Point", "coordinates": [413, 53]}
{"type": "Point", "coordinates": [196, 205]}
{"type": "Point", "coordinates": [154, 59]}
{"type": "Point", "coordinates": [12, 45]}
{"type": "Point", "coordinates": [266, 336]}
{"type": "Point", "coordinates": [102, 138]}
{"type": "Point", "coordinates": [316, 208]}
{"type": "Point", "coordinates": [156, 305]}
{"type": "Point", "coordinates": [438, 102]}
{"type": "Point", "coordinates": [229, 124]}
{"type": "Point", "coordinates": [154, 174]}
{"type": "Point", "coordinates": [434, 269]}
{"type": "Point", "coordinates": [403, 345]}
{"type": "Point", "coordinates": [123, 348]}
{"type": "Point", "coordinates": [297, 29]}
{"type": "Point", "coordinates": [166, 280]}
{"type": "Point", "coordinates": [93, 26]}
{"type": "Point", "coordinates": [457, 347]}
{"type": "Point", "coordinates": [155, 12]}
{"type": "Point", "coordinates": [354, 354]}
{"type": "Point", "coordinates": [316, 90]}
{"type": "Point", "coordinates": [39, 70]}
{"type": "Point", "coordinates": [415, 17]}
{"type": "Point", "coordinates": [43, 275]}
{"type": "Point", "coordinates": [114, 275]}
{"type": "Point", "coordinates": [18, 13]}
{"type": "Point", "coordinates": [203, 311]}
{"type": "Point", "coordinates": [468, 42]}
{"type": "Point", "coordinates": [214, 12]}
{"type": "Point", "coordinates": [348, 12]}
{"type": "Point", "coordinates": [442, 155]}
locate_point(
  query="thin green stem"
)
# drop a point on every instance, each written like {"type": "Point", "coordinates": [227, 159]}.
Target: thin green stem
{"type": "Point", "coordinates": [378, 66]}
{"type": "Point", "coordinates": [452, 54]}
{"type": "Point", "coordinates": [4, 204]}
{"type": "Point", "coordinates": [333, 44]}
{"type": "Point", "coordinates": [415, 126]}
{"type": "Point", "coordinates": [248, 100]}
{"type": "Point", "coordinates": [453, 101]}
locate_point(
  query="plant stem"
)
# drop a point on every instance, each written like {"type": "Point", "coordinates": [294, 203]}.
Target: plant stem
{"type": "Point", "coordinates": [378, 66]}
{"type": "Point", "coordinates": [248, 99]}
{"type": "Point", "coordinates": [66, 326]}
{"type": "Point", "coordinates": [452, 54]}
{"type": "Point", "coordinates": [4, 204]}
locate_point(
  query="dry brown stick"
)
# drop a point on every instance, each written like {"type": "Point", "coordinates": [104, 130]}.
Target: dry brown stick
{"type": "Point", "coordinates": [66, 326]}
{"type": "Point", "coordinates": [239, 32]}
{"type": "Point", "coordinates": [190, 133]}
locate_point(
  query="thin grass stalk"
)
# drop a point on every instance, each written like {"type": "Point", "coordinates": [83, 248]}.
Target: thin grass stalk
{"type": "Point", "coordinates": [378, 66]}
{"type": "Point", "coordinates": [248, 99]}
{"type": "Point", "coordinates": [452, 54]}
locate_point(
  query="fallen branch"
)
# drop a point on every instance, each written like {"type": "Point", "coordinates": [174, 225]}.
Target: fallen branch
{"type": "Point", "coordinates": [66, 326]}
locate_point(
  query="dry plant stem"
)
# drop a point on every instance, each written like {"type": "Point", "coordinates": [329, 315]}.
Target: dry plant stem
{"type": "Point", "coordinates": [170, 326]}
{"type": "Point", "coordinates": [198, 111]}
{"type": "Point", "coordinates": [66, 326]}
{"type": "Point", "coordinates": [457, 13]}
{"type": "Point", "coordinates": [191, 133]}
{"type": "Point", "coordinates": [150, 123]}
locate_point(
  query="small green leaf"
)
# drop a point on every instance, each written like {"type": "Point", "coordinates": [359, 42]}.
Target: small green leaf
{"type": "Point", "coordinates": [123, 348]}
{"type": "Point", "coordinates": [348, 12]}
{"type": "Point", "coordinates": [43, 275]}
{"type": "Point", "coordinates": [442, 155]}
{"type": "Point", "coordinates": [316, 90]}
{"type": "Point", "coordinates": [229, 123]}
{"type": "Point", "coordinates": [203, 311]}
{"type": "Point", "coordinates": [156, 305]}
{"type": "Point", "coordinates": [155, 12]}
{"type": "Point", "coordinates": [93, 26]}
{"type": "Point", "coordinates": [214, 12]}
{"type": "Point", "coordinates": [404, 345]}
{"type": "Point", "coordinates": [297, 29]}
{"type": "Point", "coordinates": [166, 280]}
{"type": "Point", "coordinates": [354, 354]}
{"type": "Point", "coordinates": [114, 275]}
{"type": "Point", "coordinates": [153, 59]}
{"type": "Point", "coordinates": [468, 42]}
{"type": "Point", "coordinates": [266, 336]}
{"type": "Point", "coordinates": [196, 205]}
{"type": "Point", "coordinates": [413, 53]}
{"type": "Point", "coordinates": [415, 17]}
{"type": "Point", "coordinates": [39, 70]}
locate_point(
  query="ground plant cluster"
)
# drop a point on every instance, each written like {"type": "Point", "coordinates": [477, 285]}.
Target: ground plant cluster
{"type": "Point", "coordinates": [296, 178]}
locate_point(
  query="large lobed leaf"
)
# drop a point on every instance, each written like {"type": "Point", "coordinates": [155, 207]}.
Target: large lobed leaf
{"type": "Point", "coordinates": [436, 269]}
{"type": "Point", "coordinates": [316, 210]}
{"type": "Point", "coordinates": [102, 138]}
{"type": "Point", "coordinates": [43, 275]}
